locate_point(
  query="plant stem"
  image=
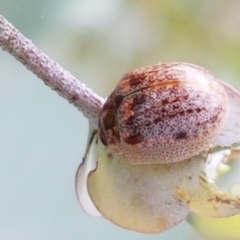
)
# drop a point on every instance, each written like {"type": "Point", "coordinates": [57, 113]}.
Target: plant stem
{"type": "Point", "coordinates": [52, 74]}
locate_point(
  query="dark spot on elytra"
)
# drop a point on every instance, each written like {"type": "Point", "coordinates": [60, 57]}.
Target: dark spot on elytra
{"type": "Point", "coordinates": [165, 101]}
{"type": "Point", "coordinates": [107, 115]}
{"type": "Point", "coordinates": [136, 79]}
{"type": "Point", "coordinates": [135, 107]}
{"type": "Point", "coordinates": [215, 117]}
{"type": "Point", "coordinates": [139, 100]}
{"type": "Point", "coordinates": [181, 135]}
{"type": "Point", "coordinates": [157, 120]}
{"type": "Point", "coordinates": [130, 120]}
{"type": "Point", "coordinates": [175, 99]}
{"type": "Point", "coordinates": [108, 124]}
{"type": "Point", "coordinates": [190, 111]}
{"type": "Point", "coordinates": [199, 110]}
{"type": "Point", "coordinates": [133, 139]}
{"type": "Point", "coordinates": [109, 120]}
{"type": "Point", "coordinates": [181, 113]}
{"type": "Point", "coordinates": [118, 100]}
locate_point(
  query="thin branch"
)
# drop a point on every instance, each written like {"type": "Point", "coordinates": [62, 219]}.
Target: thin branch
{"type": "Point", "coordinates": [53, 75]}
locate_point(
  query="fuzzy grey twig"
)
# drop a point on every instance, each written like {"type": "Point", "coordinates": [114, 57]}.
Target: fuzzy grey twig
{"type": "Point", "coordinates": [53, 75]}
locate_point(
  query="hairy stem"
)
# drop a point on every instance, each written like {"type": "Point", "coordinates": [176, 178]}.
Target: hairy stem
{"type": "Point", "coordinates": [52, 74]}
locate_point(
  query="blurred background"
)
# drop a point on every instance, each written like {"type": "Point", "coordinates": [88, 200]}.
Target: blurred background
{"type": "Point", "coordinates": [42, 137]}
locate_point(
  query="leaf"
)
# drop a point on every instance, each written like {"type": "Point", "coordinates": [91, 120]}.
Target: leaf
{"type": "Point", "coordinates": [139, 198]}
{"type": "Point", "coordinates": [154, 198]}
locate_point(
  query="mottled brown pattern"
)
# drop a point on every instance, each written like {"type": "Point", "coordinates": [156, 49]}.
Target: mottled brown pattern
{"type": "Point", "coordinates": [163, 113]}
{"type": "Point", "coordinates": [109, 119]}
{"type": "Point", "coordinates": [108, 124]}
{"type": "Point", "coordinates": [135, 79]}
{"type": "Point", "coordinates": [162, 72]}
